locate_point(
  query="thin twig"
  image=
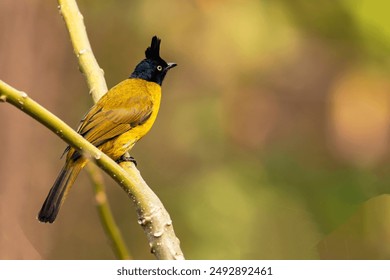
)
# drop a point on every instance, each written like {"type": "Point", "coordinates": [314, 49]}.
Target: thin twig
{"type": "Point", "coordinates": [82, 48]}
{"type": "Point", "coordinates": [105, 214]}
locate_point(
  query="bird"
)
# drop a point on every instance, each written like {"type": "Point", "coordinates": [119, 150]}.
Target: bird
{"type": "Point", "coordinates": [114, 124]}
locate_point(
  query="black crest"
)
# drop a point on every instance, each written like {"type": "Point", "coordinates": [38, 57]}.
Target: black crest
{"type": "Point", "coordinates": [153, 52]}
{"type": "Point", "coordinates": [153, 68]}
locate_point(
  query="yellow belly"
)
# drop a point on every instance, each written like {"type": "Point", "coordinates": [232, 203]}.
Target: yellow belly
{"type": "Point", "coordinates": [117, 147]}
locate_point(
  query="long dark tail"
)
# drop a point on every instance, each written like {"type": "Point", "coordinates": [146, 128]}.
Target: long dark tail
{"type": "Point", "coordinates": [58, 192]}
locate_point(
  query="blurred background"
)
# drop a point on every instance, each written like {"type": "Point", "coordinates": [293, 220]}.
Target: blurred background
{"type": "Point", "coordinates": [272, 141]}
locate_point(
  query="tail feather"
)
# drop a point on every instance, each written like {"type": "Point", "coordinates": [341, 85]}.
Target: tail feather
{"type": "Point", "coordinates": [59, 191]}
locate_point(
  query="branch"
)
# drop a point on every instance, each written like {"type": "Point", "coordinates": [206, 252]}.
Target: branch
{"type": "Point", "coordinates": [97, 85]}
{"type": "Point", "coordinates": [152, 215]}
{"type": "Point", "coordinates": [105, 214]}
{"type": "Point", "coordinates": [82, 48]}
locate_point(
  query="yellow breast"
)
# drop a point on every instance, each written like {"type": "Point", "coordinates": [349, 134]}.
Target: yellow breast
{"type": "Point", "coordinates": [123, 143]}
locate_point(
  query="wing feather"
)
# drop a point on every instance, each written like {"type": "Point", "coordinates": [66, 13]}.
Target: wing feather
{"type": "Point", "coordinates": [114, 115]}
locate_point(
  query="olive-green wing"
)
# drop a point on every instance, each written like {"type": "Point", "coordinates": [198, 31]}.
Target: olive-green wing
{"type": "Point", "coordinates": [102, 124]}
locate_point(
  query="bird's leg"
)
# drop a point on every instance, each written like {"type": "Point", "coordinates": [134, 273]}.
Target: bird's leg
{"type": "Point", "coordinates": [126, 157]}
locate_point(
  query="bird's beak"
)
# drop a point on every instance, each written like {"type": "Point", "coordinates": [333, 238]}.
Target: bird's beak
{"type": "Point", "coordinates": [170, 65]}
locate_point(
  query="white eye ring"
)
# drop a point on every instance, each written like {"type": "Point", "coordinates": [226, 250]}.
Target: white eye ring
{"type": "Point", "coordinates": [159, 68]}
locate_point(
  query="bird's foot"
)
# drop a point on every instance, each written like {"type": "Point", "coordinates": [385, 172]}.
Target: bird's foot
{"type": "Point", "coordinates": [126, 158]}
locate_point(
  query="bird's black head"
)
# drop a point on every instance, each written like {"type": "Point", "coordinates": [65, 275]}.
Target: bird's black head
{"type": "Point", "coordinates": [153, 68]}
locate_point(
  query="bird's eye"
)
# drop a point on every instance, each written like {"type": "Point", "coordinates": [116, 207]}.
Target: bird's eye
{"type": "Point", "coordinates": [159, 68]}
